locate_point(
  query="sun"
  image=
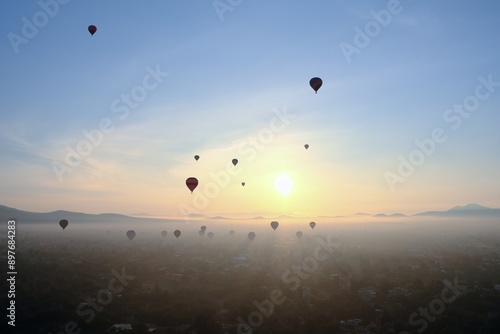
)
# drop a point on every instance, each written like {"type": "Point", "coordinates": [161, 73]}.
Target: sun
{"type": "Point", "coordinates": [284, 185]}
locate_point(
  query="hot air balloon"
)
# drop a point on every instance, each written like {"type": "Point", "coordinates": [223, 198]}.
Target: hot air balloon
{"type": "Point", "coordinates": [235, 161]}
{"type": "Point", "coordinates": [203, 228]}
{"type": "Point", "coordinates": [299, 234]}
{"type": "Point", "coordinates": [210, 235]}
{"type": "Point", "coordinates": [192, 183]}
{"type": "Point", "coordinates": [312, 224]}
{"type": "Point", "coordinates": [63, 223]}
{"type": "Point", "coordinates": [306, 146]}
{"type": "Point", "coordinates": [316, 83]}
{"type": "Point", "coordinates": [231, 233]}
{"type": "Point", "coordinates": [164, 233]}
{"type": "Point", "coordinates": [274, 225]}
{"type": "Point", "coordinates": [130, 234]}
{"type": "Point", "coordinates": [243, 184]}
{"type": "Point", "coordinates": [177, 233]}
{"type": "Point", "coordinates": [251, 236]}
{"type": "Point", "coordinates": [196, 157]}
{"type": "Point", "coordinates": [201, 233]}
{"type": "Point", "coordinates": [92, 29]}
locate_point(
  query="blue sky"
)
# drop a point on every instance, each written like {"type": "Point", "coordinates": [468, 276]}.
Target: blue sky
{"type": "Point", "coordinates": [226, 80]}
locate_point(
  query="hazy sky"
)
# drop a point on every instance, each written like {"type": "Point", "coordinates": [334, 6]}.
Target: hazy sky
{"type": "Point", "coordinates": [407, 119]}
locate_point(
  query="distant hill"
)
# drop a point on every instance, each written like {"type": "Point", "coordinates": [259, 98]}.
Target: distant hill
{"type": "Point", "coordinates": [469, 210]}
{"type": "Point", "coordinates": [391, 215]}
{"type": "Point", "coordinates": [7, 213]}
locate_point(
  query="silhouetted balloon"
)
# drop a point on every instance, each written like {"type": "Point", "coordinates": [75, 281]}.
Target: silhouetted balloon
{"type": "Point", "coordinates": [164, 233]}
{"type": "Point", "coordinates": [298, 234]}
{"type": "Point", "coordinates": [203, 228]}
{"type": "Point", "coordinates": [274, 225]}
{"type": "Point", "coordinates": [235, 162]}
{"type": "Point", "coordinates": [316, 83]}
{"type": "Point", "coordinates": [210, 235]}
{"type": "Point", "coordinates": [251, 236]}
{"type": "Point", "coordinates": [63, 223]}
{"type": "Point", "coordinates": [201, 233]}
{"type": "Point", "coordinates": [243, 184]}
{"type": "Point", "coordinates": [192, 183]}
{"type": "Point", "coordinates": [196, 157]}
{"type": "Point", "coordinates": [177, 233]}
{"type": "Point", "coordinates": [306, 146]}
{"type": "Point", "coordinates": [92, 29]}
{"type": "Point", "coordinates": [130, 234]}
{"type": "Point", "coordinates": [312, 224]}
{"type": "Point", "coordinates": [231, 233]}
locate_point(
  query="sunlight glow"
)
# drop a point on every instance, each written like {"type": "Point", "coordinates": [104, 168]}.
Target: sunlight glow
{"type": "Point", "coordinates": [284, 185]}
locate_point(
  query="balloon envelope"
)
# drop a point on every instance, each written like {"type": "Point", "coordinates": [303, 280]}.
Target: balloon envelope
{"type": "Point", "coordinates": [274, 225]}
{"type": "Point", "coordinates": [231, 233]}
{"type": "Point", "coordinates": [177, 233]}
{"type": "Point", "coordinates": [243, 184]}
{"type": "Point", "coordinates": [63, 223]}
{"type": "Point", "coordinates": [130, 234]}
{"type": "Point", "coordinates": [201, 233]}
{"type": "Point", "coordinates": [192, 183]}
{"type": "Point", "coordinates": [203, 228]}
{"type": "Point", "coordinates": [299, 234]}
{"type": "Point", "coordinates": [196, 157]}
{"type": "Point", "coordinates": [92, 29]}
{"type": "Point", "coordinates": [312, 224]}
{"type": "Point", "coordinates": [164, 234]}
{"type": "Point", "coordinates": [251, 236]}
{"type": "Point", "coordinates": [316, 83]}
{"type": "Point", "coordinates": [210, 235]}
{"type": "Point", "coordinates": [306, 146]}
{"type": "Point", "coordinates": [235, 162]}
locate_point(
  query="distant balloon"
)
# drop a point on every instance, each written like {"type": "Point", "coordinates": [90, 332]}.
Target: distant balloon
{"type": "Point", "coordinates": [231, 233]}
{"type": "Point", "coordinates": [196, 157]}
{"type": "Point", "coordinates": [298, 234]}
{"type": "Point", "coordinates": [192, 183]}
{"type": "Point", "coordinates": [201, 233]}
{"type": "Point", "coordinates": [210, 235]}
{"type": "Point", "coordinates": [306, 146]}
{"type": "Point", "coordinates": [92, 29]}
{"type": "Point", "coordinates": [316, 83]}
{"type": "Point", "coordinates": [203, 228]}
{"type": "Point", "coordinates": [312, 224]}
{"type": "Point", "coordinates": [274, 225]}
{"type": "Point", "coordinates": [130, 234]}
{"type": "Point", "coordinates": [63, 223]}
{"type": "Point", "coordinates": [243, 184]}
{"type": "Point", "coordinates": [235, 162]}
{"type": "Point", "coordinates": [164, 233]}
{"type": "Point", "coordinates": [251, 236]}
{"type": "Point", "coordinates": [177, 233]}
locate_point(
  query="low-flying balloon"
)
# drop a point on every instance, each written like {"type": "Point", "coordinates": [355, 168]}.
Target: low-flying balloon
{"type": "Point", "coordinates": [92, 29]}
{"type": "Point", "coordinates": [299, 234]}
{"type": "Point", "coordinates": [243, 184]}
{"type": "Point", "coordinates": [312, 224]}
{"type": "Point", "coordinates": [210, 235]}
{"type": "Point", "coordinates": [164, 233]}
{"type": "Point", "coordinates": [177, 233]}
{"type": "Point", "coordinates": [130, 234]}
{"type": "Point", "coordinates": [274, 225]}
{"type": "Point", "coordinates": [316, 83]}
{"type": "Point", "coordinates": [201, 233]}
{"type": "Point", "coordinates": [203, 228]}
{"type": "Point", "coordinates": [196, 157]}
{"type": "Point", "coordinates": [235, 161]}
{"type": "Point", "coordinates": [231, 233]}
{"type": "Point", "coordinates": [251, 236]}
{"type": "Point", "coordinates": [63, 223]}
{"type": "Point", "coordinates": [192, 183]}
{"type": "Point", "coordinates": [306, 146]}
